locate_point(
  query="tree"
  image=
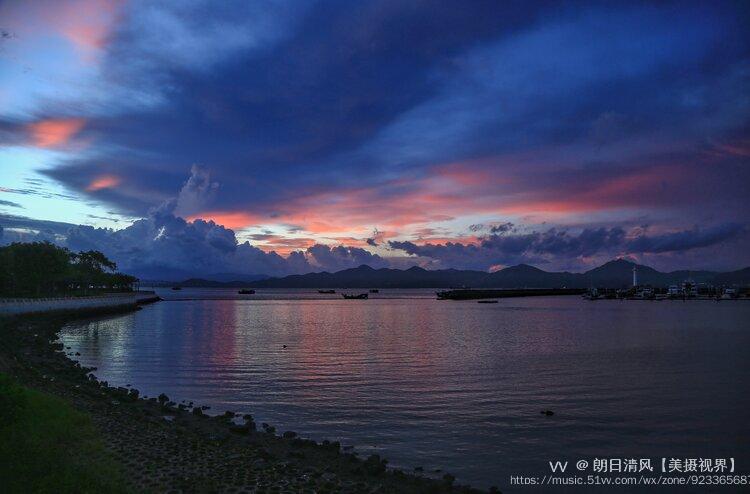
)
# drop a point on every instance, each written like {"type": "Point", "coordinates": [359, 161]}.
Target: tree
{"type": "Point", "coordinates": [42, 268]}
{"type": "Point", "coordinates": [33, 268]}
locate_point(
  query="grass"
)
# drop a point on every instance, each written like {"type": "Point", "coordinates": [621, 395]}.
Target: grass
{"type": "Point", "coordinates": [46, 446]}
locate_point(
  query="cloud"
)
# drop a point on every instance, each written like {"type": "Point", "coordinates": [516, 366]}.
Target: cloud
{"type": "Point", "coordinates": [164, 244]}
{"type": "Point", "coordinates": [22, 229]}
{"type": "Point", "coordinates": [336, 117]}
{"type": "Point", "coordinates": [103, 182]}
{"type": "Point", "coordinates": [341, 257]}
{"type": "Point", "coordinates": [55, 132]}
{"type": "Point", "coordinates": [686, 239]}
{"type": "Point", "coordinates": [556, 245]}
{"type": "Point", "coordinates": [10, 204]}
{"type": "Point", "coordinates": [197, 193]}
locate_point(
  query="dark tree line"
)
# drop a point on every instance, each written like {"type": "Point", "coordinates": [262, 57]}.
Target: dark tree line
{"type": "Point", "coordinates": [43, 269]}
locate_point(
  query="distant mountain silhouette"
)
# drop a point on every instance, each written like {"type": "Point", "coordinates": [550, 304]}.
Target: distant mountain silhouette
{"type": "Point", "coordinates": [613, 274]}
{"type": "Point", "coordinates": [366, 277]}
{"type": "Point", "coordinates": [172, 277]}
{"type": "Point", "coordinates": [739, 277]}
{"type": "Point", "coordinates": [200, 282]}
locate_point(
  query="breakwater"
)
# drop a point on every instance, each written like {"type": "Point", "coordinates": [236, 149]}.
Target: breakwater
{"type": "Point", "coordinates": [19, 306]}
{"type": "Point", "coordinates": [468, 294]}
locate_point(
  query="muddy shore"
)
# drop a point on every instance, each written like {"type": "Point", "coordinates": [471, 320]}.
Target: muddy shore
{"type": "Point", "coordinates": [169, 447]}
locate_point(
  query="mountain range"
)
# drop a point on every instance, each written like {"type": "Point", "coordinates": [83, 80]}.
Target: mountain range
{"type": "Point", "coordinates": [613, 274]}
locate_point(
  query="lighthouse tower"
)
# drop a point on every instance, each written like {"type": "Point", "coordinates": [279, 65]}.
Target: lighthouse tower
{"type": "Point", "coordinates": [635, 276]}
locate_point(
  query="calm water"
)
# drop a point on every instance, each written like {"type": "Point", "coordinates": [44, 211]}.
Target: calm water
{"type": "Point", "coordinates": [448, 385]}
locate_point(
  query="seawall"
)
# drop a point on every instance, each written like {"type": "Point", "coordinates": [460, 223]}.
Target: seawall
{"type": "Point", "coordinates": [18, 306]}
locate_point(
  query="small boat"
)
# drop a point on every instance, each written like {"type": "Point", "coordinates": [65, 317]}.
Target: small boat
{"type": "Point", "coordinates": [176, 288]}
{"type": "Point", "coordinates": [245, 291]}
{"type": "Point", "coordinates": [591, 294]}
{"type": "Point", "coordinates": [486, 301]}
{"type": "Point", "coordinates": [374, 290]}
{"type": "Point", "coordinates": [361, 296]}
{"type": "Point", "coordinates": [327, 291]}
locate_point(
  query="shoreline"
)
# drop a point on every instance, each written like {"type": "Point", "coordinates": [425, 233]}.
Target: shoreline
{"type": "Point", "coordinates": [165, 447]}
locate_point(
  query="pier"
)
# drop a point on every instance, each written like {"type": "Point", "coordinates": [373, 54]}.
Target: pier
{"type": "Point", "coordinates": [468, 294]}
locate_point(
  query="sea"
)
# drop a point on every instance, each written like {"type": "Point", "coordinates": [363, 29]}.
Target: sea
{"type": "Point", "coordinates": [446, 386]}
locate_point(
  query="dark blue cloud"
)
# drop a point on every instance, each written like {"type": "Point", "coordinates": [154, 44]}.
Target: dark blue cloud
{"type": "Point", "coordinates": [687, 239]}
{"type": "Point", "coordinates": [367, 87]}
{"type": "Point", "coordinates": [554, 244]}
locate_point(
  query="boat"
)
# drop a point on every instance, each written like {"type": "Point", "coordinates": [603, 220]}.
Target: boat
{"type": "Point", "coordinates": [486, 301]}
{"type": "Point", "coordinates": [689, 289]}
{"type": "Point", "coordinates": [245, 291]}
{"type": "Point", "coordinates": [729, 293]}
{"type": "Point", "coordinates": [348, 296]}
{"type": "Point", "coordinates": [326, 291]}
{"type": "Point", "coordinates": [176, 288]}
{"type": "Point", "coordinates": [592, 294]}
{"type": "Point", "coordinates": [645, 293]}
{"type": "Point", "coordinates": [374, 290]}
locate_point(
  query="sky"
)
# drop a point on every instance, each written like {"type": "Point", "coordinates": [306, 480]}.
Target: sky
{"type": "Point", "coordinates": [278, 137]}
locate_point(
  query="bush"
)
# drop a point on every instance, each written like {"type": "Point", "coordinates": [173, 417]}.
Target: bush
{"type": "Point", "coordinates": [48, 447]}
{"type": "Point", "coordinates": [12, 400]}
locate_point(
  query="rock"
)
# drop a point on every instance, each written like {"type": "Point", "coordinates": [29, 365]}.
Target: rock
{"type": "Point", "coordinates": [240, 429]}
{"type": "Point", "coordinates": [374, 465]}
{"type": "Point", "coordinates": [548, 413]}
{"type": "Point", "coordinates": [163, 398]}
{"type": "Point", "coordinates": [289, 435]}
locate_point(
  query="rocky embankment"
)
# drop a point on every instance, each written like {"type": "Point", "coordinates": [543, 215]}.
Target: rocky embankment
{"type": "Point", "coordinates": [165, 447]}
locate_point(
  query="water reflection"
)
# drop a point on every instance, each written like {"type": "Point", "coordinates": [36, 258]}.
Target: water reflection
{"type": "Point", "coordinates": [450, 384]}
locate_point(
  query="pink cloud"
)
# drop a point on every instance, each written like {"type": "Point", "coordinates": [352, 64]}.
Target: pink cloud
{"type": "Point", "coordinates": [236, 220]}
{"type": "Point", "coordinates": [54, 133]}
{"type": "Point", "coordinates": [104, 182]}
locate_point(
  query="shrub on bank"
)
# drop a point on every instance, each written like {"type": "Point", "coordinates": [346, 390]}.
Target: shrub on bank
{"type": "Point", "coordinates": [48, 447]}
